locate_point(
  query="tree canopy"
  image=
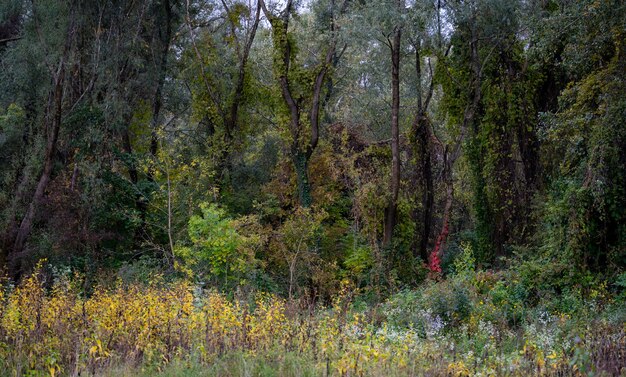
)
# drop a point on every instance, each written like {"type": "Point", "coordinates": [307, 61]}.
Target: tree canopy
{"type": "Point", "coordinates": [292, 145]}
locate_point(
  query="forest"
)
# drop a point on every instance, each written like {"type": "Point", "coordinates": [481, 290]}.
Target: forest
{"type": "Point", "coordinates": [312, 188]}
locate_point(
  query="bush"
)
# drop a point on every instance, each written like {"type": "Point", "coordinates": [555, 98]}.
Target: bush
{"type": "Point", "coordinates": [218, 251]}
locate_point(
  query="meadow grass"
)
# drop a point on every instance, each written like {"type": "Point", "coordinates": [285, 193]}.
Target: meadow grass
{"type": "Point", "coordinates": [467, 325]}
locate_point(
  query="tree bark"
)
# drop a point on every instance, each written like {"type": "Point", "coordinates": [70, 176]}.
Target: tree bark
{"type": "Point", "coordinates": [232, 119]}
{"type": "Point", "coordinates": [52, 128]}
{"type": "Point", "coordinates": [423, 223]}
{"type": "Point", "coordinates": [165, 39]}
{"type": "Point", "coordinates": [392, 207]}
{"type": "Point", "coordinates": [301, 151]}
{"type": "Point", "coordinates": [423, 149]}
{"type": "Point", "coordinates": [469, 119]}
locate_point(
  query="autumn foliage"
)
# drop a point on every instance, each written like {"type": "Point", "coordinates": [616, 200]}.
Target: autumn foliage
{"type": "Point", "coordinates": [54, 328]}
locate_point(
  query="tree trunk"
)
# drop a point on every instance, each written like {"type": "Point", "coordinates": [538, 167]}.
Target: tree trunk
{"type": "Point", "coordinates": [165, 38]}
{"type": "Point", "coordinates": [450, 156]}
{"type": "Point", "coordinates": [52, 131]}
{"type": "Point", "coordinates": [231, 118]}
{"type": "Point", "coordinates": [392, 207]}
{"type": "Point", "coordinates": [301, 150]}
{"type": "Point", "coordinates": [423, 149]}
{"type": "Point", "coordinates": [427, 195]}
{"type": "Point", "coordinates": [301, 165]}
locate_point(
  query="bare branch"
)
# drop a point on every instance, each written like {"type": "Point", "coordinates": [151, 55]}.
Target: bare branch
{"type": "Point", "coordinates": [7, 40]}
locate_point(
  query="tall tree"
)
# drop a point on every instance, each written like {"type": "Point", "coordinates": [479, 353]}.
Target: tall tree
{"type": "Point", "coordinates": [467, 108]}
{"type": "Point", "coordinates": [305, 132]}
{"type": "Point", "coordinates": [427, 44]}
{"type": "Point", "coordinates": [498, 116]}
{"type": "Point", "coordinates": [51, 127]}
{"type": "Point", "coordinates": [107, 51]}
{"type": "Point", "coordinates": [223, 83]}
{"type": "Point", "coordinates": [391, 212]}
{"type": "Point", "coordinates": [164, 19]}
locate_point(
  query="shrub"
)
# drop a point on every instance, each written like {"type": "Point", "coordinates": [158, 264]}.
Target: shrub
{"type": "Point", "coordinates": [218, 250]}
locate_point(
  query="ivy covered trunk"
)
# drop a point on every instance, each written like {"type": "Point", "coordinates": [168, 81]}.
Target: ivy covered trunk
{"type": "Point", "coordinates": [301, 166]}
{"type": "Point", "coordinates": [427, 194]}
{"type": "Point", "coordinates": [284, 57]}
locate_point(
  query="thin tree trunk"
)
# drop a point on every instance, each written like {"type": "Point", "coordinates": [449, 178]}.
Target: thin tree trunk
{"type": "Point", "coordinates": [52, 131]}
{"type": "Point", "coordinates": [469, 119]}
{"type": "Point", "coordinates": [423, 149]}
{"type": "Point", "coordinates": [52, 123]}
{"type": "Point", "coordinates": [392, 207]}
{"type": "Point", "coordinates": [231, 118]}
{"type": "Point", "coordinates": [165, 38]}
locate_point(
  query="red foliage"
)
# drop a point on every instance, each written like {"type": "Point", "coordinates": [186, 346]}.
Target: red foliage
{"type": "Point", "coordinates": [434, 262]}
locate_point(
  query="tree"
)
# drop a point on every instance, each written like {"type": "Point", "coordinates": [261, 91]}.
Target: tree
{"type": "Point", "coordinates": [582, 210]}
{"type": "Point", "coordinates": [223, 83]}
{"type": "Point", "coordinates": [296, 96]}
{"type": "Point", "coordinates": [51, 128]}
{"type": "Point", "coordinates": [463, 111]}
{"type": "Point", "coordinates": [97, 45]}
{"type": "Point", "coordinates": [497, 115]}
{"type": "Point", "coordinates": [391, 212]}
{"type": "Point", "coordinates": [426, 16]}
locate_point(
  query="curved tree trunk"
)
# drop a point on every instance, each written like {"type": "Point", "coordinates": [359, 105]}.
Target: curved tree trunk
{"type": "Point", "coordinates": [52, 127]}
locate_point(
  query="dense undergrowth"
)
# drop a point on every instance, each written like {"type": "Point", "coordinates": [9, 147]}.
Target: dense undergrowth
{"type": "Point", "coordinates": [319, 187]}
{"type": "Point", "coordinates": [472, 323]}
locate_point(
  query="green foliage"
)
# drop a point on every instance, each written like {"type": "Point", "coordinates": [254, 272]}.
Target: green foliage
{"type": "Point", "coordinates": [477, 307]}
{"type": "Point", "coordinates": [145, 270]}
{"type": "Point", "coordinates": [501, 146]}
{"type": "Point", "coordinates": [12, 128]}
{"type": "Point", "coordinates": [465, 262]}
{"type": "Point", "coordinates": [12, 124]}
{"type": "Point", "coordinates": [359, 261]}
{"type": "Point", "coordinates": [216, 250]}
{"type": "Point", "coordinates": [151, 129]}
{"type": "Point", "coordinates": [584, 209]}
